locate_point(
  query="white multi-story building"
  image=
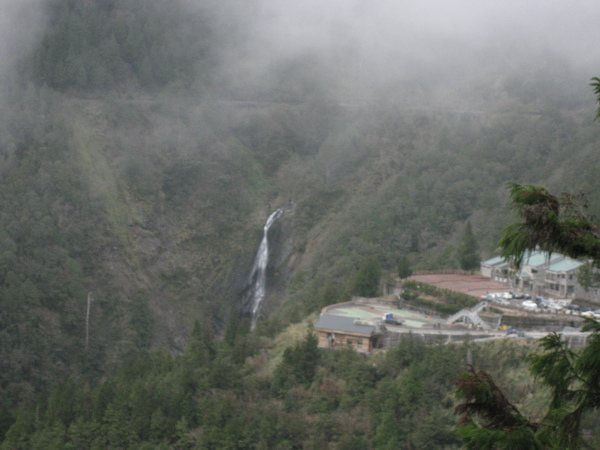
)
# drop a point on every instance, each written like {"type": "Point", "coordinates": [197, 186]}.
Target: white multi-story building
{"type": "Point", "coordinates": [541, 274]}
{"type": "Point", "coordinates": [532, 277]}
{"type": "Point", "coordinates": [561, 277]}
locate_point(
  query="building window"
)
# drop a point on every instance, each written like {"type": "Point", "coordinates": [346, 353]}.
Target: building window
{"type": "Point", "coordinates": [331, 338]}
{"type": "Point", "coordinates": [359, 342]}
{"type": "Point", "coordinates": [349, 341]}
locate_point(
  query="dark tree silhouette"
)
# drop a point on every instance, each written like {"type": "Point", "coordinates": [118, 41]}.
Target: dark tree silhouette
{"type": "Point", "coordinates": [468, 257]}
{"type": "Point", "coordinates": [550, 223]}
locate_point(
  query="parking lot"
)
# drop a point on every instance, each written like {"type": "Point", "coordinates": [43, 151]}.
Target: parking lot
{"type": "Point", "coordinates": [482, 287]}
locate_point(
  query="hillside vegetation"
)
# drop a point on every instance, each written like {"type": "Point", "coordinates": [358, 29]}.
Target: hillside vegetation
{"type": "Point", "coordinates": [207, 398]}
{"type": "Point", "coordinates": [137, 173]}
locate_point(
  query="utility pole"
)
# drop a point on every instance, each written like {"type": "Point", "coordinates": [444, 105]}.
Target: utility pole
{"type": "Point", "coordinates": [87, 321]}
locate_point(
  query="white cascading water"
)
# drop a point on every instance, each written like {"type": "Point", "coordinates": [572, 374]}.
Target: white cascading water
{"type": "Point", "coordinates": [258, 275]}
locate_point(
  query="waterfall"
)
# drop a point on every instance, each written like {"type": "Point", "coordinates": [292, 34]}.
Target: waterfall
{"type": "Point", "coordinates": [257, 280]}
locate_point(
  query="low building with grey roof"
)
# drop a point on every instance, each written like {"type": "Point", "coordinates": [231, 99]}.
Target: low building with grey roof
{"type": "Point", "coordinates": [339, 331]}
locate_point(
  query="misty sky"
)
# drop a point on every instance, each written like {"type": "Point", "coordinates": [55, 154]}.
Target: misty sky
{"type": "Point", "coordinates": [374, 39]}
{"type": "Point", "coordinates": [21, 25]}
{"type": "Point", "coordinates": [385, 40]}
{"type": "Point", "coordinates": [566, 26]}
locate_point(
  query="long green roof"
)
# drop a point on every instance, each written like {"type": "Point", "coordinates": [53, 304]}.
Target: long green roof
{"type": "Point", "coordinates": [565, 265]}
{"type": "Point", "coordinates": [541, 258]}
{"type": "Point", "coordinates": [493, 261]}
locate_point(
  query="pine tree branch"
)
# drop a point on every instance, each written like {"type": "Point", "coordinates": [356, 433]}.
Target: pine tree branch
{"type": "Point", "coordinates": [550, 224]}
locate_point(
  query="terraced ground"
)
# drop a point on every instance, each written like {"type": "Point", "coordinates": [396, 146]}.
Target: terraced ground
{"type": "Point", "coordinates": [475, 285]}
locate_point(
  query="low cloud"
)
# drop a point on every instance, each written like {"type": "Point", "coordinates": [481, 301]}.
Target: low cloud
{"type": "Point", "coordinates": [22, 24]}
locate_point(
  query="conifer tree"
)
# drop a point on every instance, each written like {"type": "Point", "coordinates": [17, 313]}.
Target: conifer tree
{"type": "Point", "coordinates": [490, 420]}
{"type": "Point", "coordinates": [366, 283]}
{"type": "Point", "coordinates": [403, 268]}
{"type": "Point", "coordinates": [595, 83]}
{"type": "Point", "coordinates": [550, 223]}
{"type": "Point", "coordinates": [468, 257]}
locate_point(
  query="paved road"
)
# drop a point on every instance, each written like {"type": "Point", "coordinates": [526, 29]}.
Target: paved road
{"type": "Point", "coordinates": [476, 333]}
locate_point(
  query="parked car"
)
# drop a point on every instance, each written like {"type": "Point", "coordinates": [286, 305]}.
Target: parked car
{"type": "Point", "coordinates": [542, 302]}
{"type": "Point", "coordinates": [393, 321]}
{"type": "Point", "coordinates": [554, 306]}
{"type": "Point", "coordinates": [529, 305]}
{"type": "Point", "coordinates": [573, 307]}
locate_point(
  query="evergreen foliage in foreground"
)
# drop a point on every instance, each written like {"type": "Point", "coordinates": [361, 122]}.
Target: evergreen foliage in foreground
{"type": "Point", "coordinates": [490, 421]}
{"type": "Point", "coordinates": [573, 378]}
{"type": "Point", "coordinates": [551, 223]}
{"type": "Point", "coordinates": [221, 394]}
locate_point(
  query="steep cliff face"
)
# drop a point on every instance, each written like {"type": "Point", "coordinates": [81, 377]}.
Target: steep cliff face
{"type": "Point", "coordinates": [121, 201]}
{"type": "Point", "coordinates": [283, 261]}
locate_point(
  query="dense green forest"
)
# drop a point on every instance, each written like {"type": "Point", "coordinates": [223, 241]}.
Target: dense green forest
{"type": "Point", "coordinates": [137, 169]}
{"type": "Point", "coordinates": [209, 398]}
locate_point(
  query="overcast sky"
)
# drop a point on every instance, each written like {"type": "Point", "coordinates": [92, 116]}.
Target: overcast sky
{"type": "Point", "coordinates": [566, 26]}
{"type": "Point", "coordinates": [375, 39]}
{"type": "Point", "coordinates": [21, 25]}
{"type": "Point", "coordinates": [383, 40]}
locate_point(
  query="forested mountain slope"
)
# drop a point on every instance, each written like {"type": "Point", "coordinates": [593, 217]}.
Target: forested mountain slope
{"type": "Point", "coordinates": [137, 170]}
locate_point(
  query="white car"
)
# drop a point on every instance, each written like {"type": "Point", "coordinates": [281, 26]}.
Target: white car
{"type": "Point", "coordinates": [529, 305]}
